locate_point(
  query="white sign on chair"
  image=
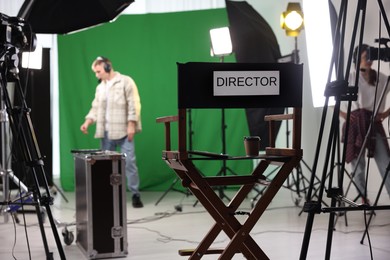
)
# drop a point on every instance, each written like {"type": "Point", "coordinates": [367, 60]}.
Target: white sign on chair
{"type": "Point", "coordinates": [246, 83]}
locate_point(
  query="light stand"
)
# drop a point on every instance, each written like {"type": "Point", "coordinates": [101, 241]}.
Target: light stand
{"type": "Point", "coordinates": [221, 46]}
{"type": "Point", "coordinates": [292, 21]}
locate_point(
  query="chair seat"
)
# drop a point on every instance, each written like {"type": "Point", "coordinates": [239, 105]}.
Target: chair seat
{"type": "Point", "coordinates": [274, 155]}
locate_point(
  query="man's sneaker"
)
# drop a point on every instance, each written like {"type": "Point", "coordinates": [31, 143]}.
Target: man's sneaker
{"type": "Point", "coordinates": [137, 203]}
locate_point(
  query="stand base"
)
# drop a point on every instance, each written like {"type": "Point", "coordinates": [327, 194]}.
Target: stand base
{"type": "Point", "coordinates": [171, 188]}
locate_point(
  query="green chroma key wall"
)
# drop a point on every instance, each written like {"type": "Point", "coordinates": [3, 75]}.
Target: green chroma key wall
{"type": "Point", "coordinates": [147, 48]}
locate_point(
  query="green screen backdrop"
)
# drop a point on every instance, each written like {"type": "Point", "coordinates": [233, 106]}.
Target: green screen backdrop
{"type": "Point", "coordinates": [147, 48]}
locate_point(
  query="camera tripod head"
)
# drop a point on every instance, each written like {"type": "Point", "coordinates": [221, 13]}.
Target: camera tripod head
{"type": "Point", "coordinates": [15, 32]}
{"type": "Point", "coordinates": [381, 53]}
{"type": "Point", "coordinates": [9, 64]}
{"type": "Point", "coordinates": [383, 41]}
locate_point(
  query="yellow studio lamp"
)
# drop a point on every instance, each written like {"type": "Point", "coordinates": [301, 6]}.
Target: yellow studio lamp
{"type": "Point", "coordinates": [292, 19]}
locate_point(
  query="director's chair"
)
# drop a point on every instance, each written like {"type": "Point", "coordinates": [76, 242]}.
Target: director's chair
{"type": "Point", "coordinates": [196, 90]}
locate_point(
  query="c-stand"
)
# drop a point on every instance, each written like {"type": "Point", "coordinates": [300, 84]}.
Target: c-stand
{"type": "Point", "coordinates": [340, 90]}
{"type": "Point", "coordinates": [26, 150]}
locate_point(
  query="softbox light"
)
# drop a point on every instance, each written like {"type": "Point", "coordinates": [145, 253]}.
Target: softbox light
{"type": "Point", "coordinates": [66, 16]}
{"type": "Point", "coordinates": [221, 44]}
{"type": "Point", "coordinates": [253, 41]}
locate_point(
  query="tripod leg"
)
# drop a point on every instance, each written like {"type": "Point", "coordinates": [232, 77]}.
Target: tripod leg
{"type": "Point", "coordinates": [55, 232]}
{"type": "Point", "coordinates": [307, 234]}
{"type": "Point", "coordinates": [261, 191]}
{"type": "Point", "coordinates": [49, 255]}
{"type": "Point", "coordinates": [330, 230]}
{"type": "Point", "coordinates": [298, 172]}
{"type": "Point", "coordinates": [222, 172]}
{"type": "Point", "coordinates": [376, 202]}
{"type": "Point", "coordinates": [168, 190]}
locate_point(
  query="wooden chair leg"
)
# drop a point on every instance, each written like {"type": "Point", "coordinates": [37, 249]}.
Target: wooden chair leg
{"type": "Point", "coordinates": [258, 210]}
{"type": "Point", "coordinates": [224, 215]}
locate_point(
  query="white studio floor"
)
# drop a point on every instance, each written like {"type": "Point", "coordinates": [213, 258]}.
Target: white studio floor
{"type": "Point", "coordinates": [159, 231]}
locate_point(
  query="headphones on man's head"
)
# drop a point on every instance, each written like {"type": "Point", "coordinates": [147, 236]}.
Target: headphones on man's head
{"type": "Point", "coordinates": [107, 63]}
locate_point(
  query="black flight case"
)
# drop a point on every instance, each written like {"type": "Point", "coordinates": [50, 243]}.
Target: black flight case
{"type": "Point", "coordinates": [100, 181]}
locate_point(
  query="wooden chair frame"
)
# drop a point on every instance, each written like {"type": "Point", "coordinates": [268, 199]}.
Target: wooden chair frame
{"type": "Point", "coordinates": [202, 186]}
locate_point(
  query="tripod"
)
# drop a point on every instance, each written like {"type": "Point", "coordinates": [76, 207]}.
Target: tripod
{"type": "Point", "coordinates": [340, 90]}
{"type": "Point", "coordinates": [26, 149]}
{"type": "Point", "coordinates": [5, 163]}
{"type": "Point", "coordinates": [224, 168]}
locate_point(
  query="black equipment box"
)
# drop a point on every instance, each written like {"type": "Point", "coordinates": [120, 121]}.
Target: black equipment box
{"type": "Point", "coordinates": [101, 221]}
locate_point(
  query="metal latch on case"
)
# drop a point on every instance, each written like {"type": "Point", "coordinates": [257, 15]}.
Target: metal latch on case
{"type": "Point", "coordinates": [117, 232]}
{"type": "Point", "coordinates": [115, 179]}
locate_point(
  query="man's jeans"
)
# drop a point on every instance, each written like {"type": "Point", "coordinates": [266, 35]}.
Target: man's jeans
{"type": "Point", "coordinates": [128, 149]}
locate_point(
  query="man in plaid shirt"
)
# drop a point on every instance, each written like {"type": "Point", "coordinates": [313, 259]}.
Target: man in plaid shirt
{"type": "Point", "coordinates": [116, 110]}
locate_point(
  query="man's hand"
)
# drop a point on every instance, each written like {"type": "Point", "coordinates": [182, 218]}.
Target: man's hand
{"type": "Point", "coordinates": [84, 126]}
{"type": "Point", "coordinates": [130, 131]}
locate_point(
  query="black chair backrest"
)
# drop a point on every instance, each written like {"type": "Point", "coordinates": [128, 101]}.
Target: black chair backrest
{"type": "Point", "coordinates": [200, 84]}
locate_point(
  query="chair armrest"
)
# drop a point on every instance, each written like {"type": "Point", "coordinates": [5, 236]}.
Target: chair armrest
{"type": "Point", "coordinates": [296, 117]}
{"type": "Point", "coordinates": [167, 119]}
{"type": "Point", "coordinates": [272, 128]}
{"type": "Point", "coordinates": [167, 122]}
{"type": "Point", "coordinates": [278, 117]}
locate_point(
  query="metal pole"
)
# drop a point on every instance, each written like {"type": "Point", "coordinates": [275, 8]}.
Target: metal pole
{"type": "Point", "coordinates": [4, 167]}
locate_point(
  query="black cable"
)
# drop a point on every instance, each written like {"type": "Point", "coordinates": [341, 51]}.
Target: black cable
{"type": "Point", "coordinates": [25, 225]}
{"type": "Point", "coordinates": [14, 244]}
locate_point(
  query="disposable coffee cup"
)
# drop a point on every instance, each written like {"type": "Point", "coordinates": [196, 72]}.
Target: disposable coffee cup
{"type": "Point", "coordinates": [252, 145]}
